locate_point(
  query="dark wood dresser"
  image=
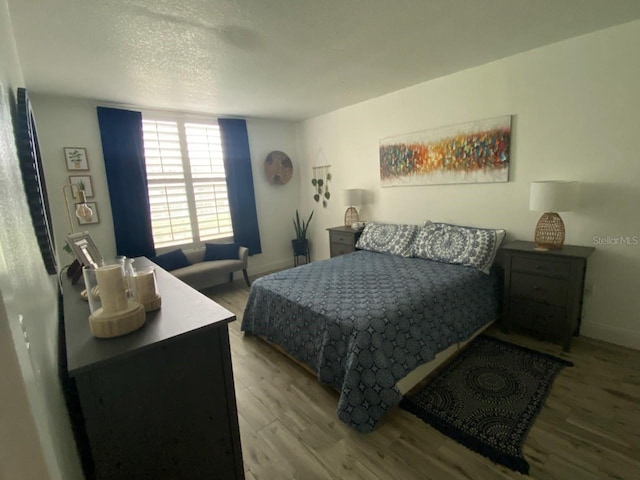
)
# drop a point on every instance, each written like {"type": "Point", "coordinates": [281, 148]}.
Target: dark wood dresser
{"type": "Point", "coordinates": [342, 240]}
{"type": "Point", "coordinates": [543, 289]}
{"type": "Point", "coordinates": [159, 402]}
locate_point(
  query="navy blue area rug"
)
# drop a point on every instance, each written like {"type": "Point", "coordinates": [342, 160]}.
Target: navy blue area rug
{"type": "Point", "coordinates": [488, 397]}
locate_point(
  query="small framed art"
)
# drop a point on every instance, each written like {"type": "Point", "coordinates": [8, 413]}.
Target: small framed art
{"type": "Point", "coordinates": [76, 158]}
{"type": "Point", "coordinates": [85, 249]}
{"type": "Point", "coordinates": [94, 218]}
{"type": "Point", "coordinates": [83, 182]}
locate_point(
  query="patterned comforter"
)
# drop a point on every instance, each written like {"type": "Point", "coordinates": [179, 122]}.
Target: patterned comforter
{"type": "Point", "coordinates": [362, 321]}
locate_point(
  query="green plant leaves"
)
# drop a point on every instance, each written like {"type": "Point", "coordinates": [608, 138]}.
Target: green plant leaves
{"type": "Point", "coordinates": [301, 227]}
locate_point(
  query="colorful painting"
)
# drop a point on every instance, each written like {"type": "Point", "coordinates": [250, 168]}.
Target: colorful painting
{"type": "Point", "coordinates": [475, 152]}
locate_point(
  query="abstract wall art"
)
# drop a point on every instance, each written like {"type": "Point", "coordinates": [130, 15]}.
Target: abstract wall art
{"type": "Point", "coordinates": [474, 152]}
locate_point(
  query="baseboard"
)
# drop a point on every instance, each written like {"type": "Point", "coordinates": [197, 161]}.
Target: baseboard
{"type": "Point", "coordinates": [619, 336]}
{"type": "Point", "coordinates": [269, 267]}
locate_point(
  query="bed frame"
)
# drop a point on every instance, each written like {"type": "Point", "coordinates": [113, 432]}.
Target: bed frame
{"type": "Point", "coordinates": [414, 378]}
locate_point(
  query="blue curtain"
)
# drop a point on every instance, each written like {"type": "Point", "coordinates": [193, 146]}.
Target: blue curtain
{"type": "Point", "coordinates": [242, 199]}
{"type": "Point", "coordinates": [122, 146]}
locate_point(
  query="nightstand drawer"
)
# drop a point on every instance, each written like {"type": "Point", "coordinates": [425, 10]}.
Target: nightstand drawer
{"type": "Point", "coordinates": [541, 289]}
{"type": "Point", "coordinates": [545, 319]}
{"type": "Point", "coordinates": [541, 266]}
{"type": "Point", "coordinates": [343, 240]}
{"type": "Point", "coordinates": [340, 249]}
{"type": "Point", "coordinates": [338, 237]}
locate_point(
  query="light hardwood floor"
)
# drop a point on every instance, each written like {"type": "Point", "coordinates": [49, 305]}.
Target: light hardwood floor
{"type": "Point", "coordinates": [588, 429]}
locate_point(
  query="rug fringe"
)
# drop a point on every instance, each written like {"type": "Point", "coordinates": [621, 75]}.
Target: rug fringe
{"type": "Point", "coordinates": [517, 464]}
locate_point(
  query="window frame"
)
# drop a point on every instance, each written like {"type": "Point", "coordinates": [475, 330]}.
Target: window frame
{"type": "Point", "coordinates": [182, 118]}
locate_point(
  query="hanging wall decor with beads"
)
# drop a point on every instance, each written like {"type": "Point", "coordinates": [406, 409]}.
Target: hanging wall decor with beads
{"type": "Point", "coordinates": [320, 180]}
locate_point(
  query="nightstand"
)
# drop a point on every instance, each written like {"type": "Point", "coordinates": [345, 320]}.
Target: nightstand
{"type": "Point", "coordinates": [543, 289]}
{"type": "Point", "coordinates": [342, 240]}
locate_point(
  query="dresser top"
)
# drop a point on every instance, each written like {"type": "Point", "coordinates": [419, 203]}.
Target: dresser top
{"type": "Point", "coordinates": [184, 311]}
{"type": "Point", "coordinates": [566, 250]}
{"type": "Point", "coordinates": [344, 229]}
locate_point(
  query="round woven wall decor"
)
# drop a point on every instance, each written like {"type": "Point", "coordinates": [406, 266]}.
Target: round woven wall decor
{"type": "Point", "coordinates": [278, 167]}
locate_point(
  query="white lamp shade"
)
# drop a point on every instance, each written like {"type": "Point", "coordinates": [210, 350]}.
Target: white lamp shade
{"type": "Point", "coordinates": [353, 197]}
{"type": "Point", "coordinates": [553, 196]}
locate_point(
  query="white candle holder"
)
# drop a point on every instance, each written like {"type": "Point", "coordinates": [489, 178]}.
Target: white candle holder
{"type": "Point", "coordinates": [112, 313]}
{"type": "Point", "coordinates": [130, 279]}
{"type": "Point", "coordinates": [147, 288]}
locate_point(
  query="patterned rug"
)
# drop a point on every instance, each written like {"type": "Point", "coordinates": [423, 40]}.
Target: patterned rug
{"type": "Point", "coordinates": [488, 397]}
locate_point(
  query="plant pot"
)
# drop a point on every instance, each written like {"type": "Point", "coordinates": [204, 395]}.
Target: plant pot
{"type": "Point", "coordinates": [300, 247]}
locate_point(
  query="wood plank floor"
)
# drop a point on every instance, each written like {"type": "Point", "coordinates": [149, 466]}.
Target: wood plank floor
{"type": "Point", "coordinates": [588, 429]}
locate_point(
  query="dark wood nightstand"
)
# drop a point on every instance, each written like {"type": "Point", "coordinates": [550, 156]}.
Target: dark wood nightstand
{"type": "Point", "coordinates": [342, 240]}
{"type": "Point", "coordinates": [543, 289]}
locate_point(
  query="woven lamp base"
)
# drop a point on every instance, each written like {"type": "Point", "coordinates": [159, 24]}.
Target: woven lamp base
{"type": "Point", "coordinates": [549, 233]}
{"type": "Point", "coordinates": [351, 216]}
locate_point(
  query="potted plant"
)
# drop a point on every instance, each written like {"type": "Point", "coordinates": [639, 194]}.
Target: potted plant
{"type": "Point", "coordinates": [301, 244]}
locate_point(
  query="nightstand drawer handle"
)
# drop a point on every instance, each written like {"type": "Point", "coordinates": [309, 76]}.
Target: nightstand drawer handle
{"type": "Point", "coordinates": [537, 288]}
{"type": "Point", "coordinates": [539, 267]}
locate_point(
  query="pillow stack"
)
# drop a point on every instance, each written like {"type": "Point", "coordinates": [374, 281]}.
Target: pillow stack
{"type": "Point", "coordinates": [440, 242]}
{"type": "Point", "coordinates": [469, 246]}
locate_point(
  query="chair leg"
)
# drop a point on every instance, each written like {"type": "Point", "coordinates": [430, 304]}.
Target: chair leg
{"type": "Point", "coordinates": [246, 277]}
{"type": "Point", "coordinates": [231, 277]}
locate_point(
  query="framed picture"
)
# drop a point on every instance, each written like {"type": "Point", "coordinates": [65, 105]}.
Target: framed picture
{"type": "Point", "coordinates": [94, 218]}
{"type": "Point", "coordinates": [85, 249]}
{"type": "Point", "coordinates": [83, 182]}
{"type": "Point", "coordinates": [76, 159]}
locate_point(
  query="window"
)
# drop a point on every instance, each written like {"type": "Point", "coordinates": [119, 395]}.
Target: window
{"type": "Point", "coordinates": [187, 185]}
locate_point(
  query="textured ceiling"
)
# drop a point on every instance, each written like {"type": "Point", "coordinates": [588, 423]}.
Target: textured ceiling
{"type": "Point", "coordinates": [288, 59]}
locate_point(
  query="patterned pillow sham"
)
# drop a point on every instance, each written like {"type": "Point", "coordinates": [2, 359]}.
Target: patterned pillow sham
{"type": "Point", "coordinates": [469, 246]}
{"type": "Point", "coordinates": [388, 238]}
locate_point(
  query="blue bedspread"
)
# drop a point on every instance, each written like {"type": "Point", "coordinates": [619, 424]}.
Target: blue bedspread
{"type": "Point", "coordinates": [362, 321]}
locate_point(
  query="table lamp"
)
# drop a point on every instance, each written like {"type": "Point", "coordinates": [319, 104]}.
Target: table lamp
{"type": "Point", "coordinates": [552, 197]}
{"type": "Point", "coordinates": [352, 198]}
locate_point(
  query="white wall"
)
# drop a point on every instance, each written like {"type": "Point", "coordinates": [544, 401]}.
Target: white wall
{"type": "Point", "coordinates": [67, 122]}
{"type": "Point", "coordinates": [575, 108]}
{"type": "Point", "coordinates": [276, 204]}
{"type": "Point", "coordinates": [71, 122]}
{"type": "Point", "coordinates": [35, 436]}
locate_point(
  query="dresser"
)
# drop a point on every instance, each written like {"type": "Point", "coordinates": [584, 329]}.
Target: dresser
{"type": "Point", "coordinates": [543, 289]}
{"type": "Point", "coordinates": [342, 240]}
{"type": "Point", "coordinates": [159, 402]}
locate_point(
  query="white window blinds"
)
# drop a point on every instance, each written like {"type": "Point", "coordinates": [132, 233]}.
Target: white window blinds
{"type": "Point", "coordinates": [187, 186]}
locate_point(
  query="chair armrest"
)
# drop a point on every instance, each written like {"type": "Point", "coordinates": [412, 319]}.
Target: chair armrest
{"type": "Point", "coordinates": [243, 254]}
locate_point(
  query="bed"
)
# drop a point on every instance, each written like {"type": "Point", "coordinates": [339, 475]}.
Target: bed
{"type": "Point", "coordinates": [363, 322]}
